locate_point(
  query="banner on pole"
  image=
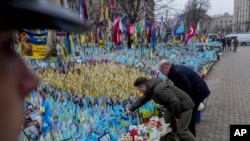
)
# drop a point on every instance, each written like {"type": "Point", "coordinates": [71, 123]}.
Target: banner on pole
{"type": "Point", "coordinates": [61, 34]}
{"type": "Point", "coordinates": [33, 45]}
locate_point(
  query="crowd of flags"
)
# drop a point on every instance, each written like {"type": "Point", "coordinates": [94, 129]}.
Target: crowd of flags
{"type": "Point", "coordinates": [117, 31]}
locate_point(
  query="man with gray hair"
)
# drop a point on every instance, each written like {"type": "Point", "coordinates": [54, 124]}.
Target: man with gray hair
{"type": "Point", "coordinates": [189, 81]}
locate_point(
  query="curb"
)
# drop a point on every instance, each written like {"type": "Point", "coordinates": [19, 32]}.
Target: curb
{"type": "Point", "coordinates": [215, 61]}
{"type": "Point", "coordinates": [209, 69]}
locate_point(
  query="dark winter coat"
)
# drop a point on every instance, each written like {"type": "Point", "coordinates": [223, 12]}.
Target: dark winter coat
{"type": "Point", "coordinates": [229, 41]}
{"type": "Point", "coordinates": [163, 93]}
{"type": "Point", "coordinates": [189, 81]}
{"type": "Point", "coordinates": [235, 42]}
{"type": "Point", "coordinates": [223, 41]}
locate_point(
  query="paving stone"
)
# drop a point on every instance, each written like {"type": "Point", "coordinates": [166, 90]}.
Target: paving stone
{"type": "Point", "coordinates": [228, 103]}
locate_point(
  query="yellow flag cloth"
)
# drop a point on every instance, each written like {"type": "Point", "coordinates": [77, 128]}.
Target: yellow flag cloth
{"type": "Point", "coordinates": [83, 38]}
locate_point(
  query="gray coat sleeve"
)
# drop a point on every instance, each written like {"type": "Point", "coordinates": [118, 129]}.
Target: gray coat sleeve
{"type": "Point", "coordinates": [170, 99]}
{"type": "Point", "coordinates": [141, 101]}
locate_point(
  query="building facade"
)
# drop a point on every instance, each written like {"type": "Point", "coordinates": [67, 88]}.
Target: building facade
{"type": "Point", "coordinates": [222, 24]}
{"type": "Point", "coordinates": [241, 16]}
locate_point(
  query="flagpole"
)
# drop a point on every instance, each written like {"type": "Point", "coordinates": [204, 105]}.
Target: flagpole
{"type": "Point", "coordinates": [198, 31]}
{"type": "Point", "coordinates": [145, 24]}
{"type": "Point", "coordinates": [105, 46]}
{"type": "Point", "coordinates": [193, 40]}
{"type": "Point", "coordinates": [106, 24]}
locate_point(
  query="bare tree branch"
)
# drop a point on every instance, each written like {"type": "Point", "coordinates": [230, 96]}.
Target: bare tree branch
{"type": "Point", "coordinates": [122, 5]}
{"type": "Point", "coordinates": [131, 7]}
{"type": "Point", "coordinates": [195, 11]}
{"type": "Point", "coordinates": [138, 5]}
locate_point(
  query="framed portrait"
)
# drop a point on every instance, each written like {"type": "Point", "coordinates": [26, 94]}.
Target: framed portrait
{"type": "Point", "coordinates": [126, 104]}
{"type": "Point", "coordinates": [135, 115]}
{"type": "Point", "coordinates": [35, 115]}
{"type": "Point", "coordinates": [32, 133]}
{"type": "Point", "coordinates": [77, 53]}
{"type": "Point", "coordinates": [105, 137]}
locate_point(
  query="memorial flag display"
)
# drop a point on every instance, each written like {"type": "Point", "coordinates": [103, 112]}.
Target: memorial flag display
{"type": "Point", "coordinates": [33, 45]}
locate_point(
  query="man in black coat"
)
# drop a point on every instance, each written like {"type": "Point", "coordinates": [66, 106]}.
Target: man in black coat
{"type": "Point", "coordinates": [224, 44]}
{"type": "Point", "coordinates": [189, 81]}
{"type": "Point", "coordinates": [229, 41]}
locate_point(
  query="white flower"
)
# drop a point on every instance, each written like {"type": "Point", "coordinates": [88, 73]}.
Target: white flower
{"type": "Point", "coordinates": [132, 127]}
{"type": "Point", "coordinates": [140, 138]}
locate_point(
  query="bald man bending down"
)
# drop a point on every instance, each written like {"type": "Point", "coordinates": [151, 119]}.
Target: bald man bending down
{"type": "Point", "coordinates": [189, 81]}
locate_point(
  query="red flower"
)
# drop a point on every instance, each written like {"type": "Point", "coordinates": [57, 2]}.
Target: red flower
{"type": "Point", "coordinates": [158, 124]}
{"type": "Point", "coordinates": [133, 132]}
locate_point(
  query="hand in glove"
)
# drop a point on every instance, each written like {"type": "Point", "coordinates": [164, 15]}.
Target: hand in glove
{"type": "Point", "coordinates": [201, 107]}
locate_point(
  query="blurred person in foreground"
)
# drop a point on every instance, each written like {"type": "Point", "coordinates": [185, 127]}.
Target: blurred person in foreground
{"type": "Point", "coordinates": [179, 105]}
{"type": "Point", "coordinates": [16, 79]}
{"type": "Point", "coordinates": [190, 82]}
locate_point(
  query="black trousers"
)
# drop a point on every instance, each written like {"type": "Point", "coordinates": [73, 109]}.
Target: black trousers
{"type": "Point", "coordinates": [197, 101]}
{"type": "Point", "coordinates": [229, 47]}
{"type": "Point", "coordinates": [224, 47]}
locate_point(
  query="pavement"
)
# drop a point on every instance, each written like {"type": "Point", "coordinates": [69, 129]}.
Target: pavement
{"type": "Point", "coordinates": [229, 101]}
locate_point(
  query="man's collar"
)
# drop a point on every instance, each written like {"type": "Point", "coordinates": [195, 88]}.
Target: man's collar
{"type": "Point", "coordinates": [172, 70]}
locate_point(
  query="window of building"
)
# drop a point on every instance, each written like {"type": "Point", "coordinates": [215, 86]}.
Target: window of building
{"type": "Point", "coordinates": [226, 23]}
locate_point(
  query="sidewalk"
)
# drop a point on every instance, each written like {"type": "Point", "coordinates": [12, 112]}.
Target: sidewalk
{"type": "Point", "coordinates": [229, 101]}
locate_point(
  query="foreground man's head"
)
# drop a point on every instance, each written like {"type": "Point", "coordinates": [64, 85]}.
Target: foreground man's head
{"type": "Point", "coordinates": [16, 80]}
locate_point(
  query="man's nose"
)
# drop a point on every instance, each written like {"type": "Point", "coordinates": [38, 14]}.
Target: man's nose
{"type": "Point", "coordinates": [29, 82]}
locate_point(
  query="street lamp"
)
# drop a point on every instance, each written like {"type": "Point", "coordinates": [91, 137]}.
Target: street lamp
{"type": "Point", "coordinates": [248, 16]}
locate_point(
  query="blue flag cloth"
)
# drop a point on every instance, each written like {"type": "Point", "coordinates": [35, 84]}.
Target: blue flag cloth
{"type": "Point", "coordinates": [205, 31]}
{"type": "Point", "coordinates": [38, 39]}
{"type": "Point", "coordinates": [179, 29]}
{"type": "Point", "coordinates": [153, 39]}
{"type": "Point", "coordinates": [46, 118]}
{"type": "Point", "coordinates": [111, 15]}
{"type": "Point", "coordinates": [166, 37]}
{"type": "Point", "coordinates": [80, 8]}
{"type": "Point", "coordinates": [67, 44]}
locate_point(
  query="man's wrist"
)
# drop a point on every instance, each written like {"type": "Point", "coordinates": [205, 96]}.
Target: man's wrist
{"type": "Point", "coordinates": [177, 117]}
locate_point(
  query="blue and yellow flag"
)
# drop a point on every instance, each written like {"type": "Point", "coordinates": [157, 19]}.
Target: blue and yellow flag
{"type": "Point", "coordinates": [33, 45]}
{"type": "Point", "coordinates": [151, 54]}
{"type": "Point", "coordinates": [107, 10]}
{"type": "Point", "coordinates": [64, 52]}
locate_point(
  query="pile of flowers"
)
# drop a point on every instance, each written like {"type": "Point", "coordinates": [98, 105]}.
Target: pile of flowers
{"type": "Point", "coordinates": [151, 130]}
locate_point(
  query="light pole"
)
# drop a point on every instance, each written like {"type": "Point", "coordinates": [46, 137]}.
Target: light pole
{"type": "Point", "coordinates": [236, 15]}
{"type": "Point", "coordinates": [248, 23]}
